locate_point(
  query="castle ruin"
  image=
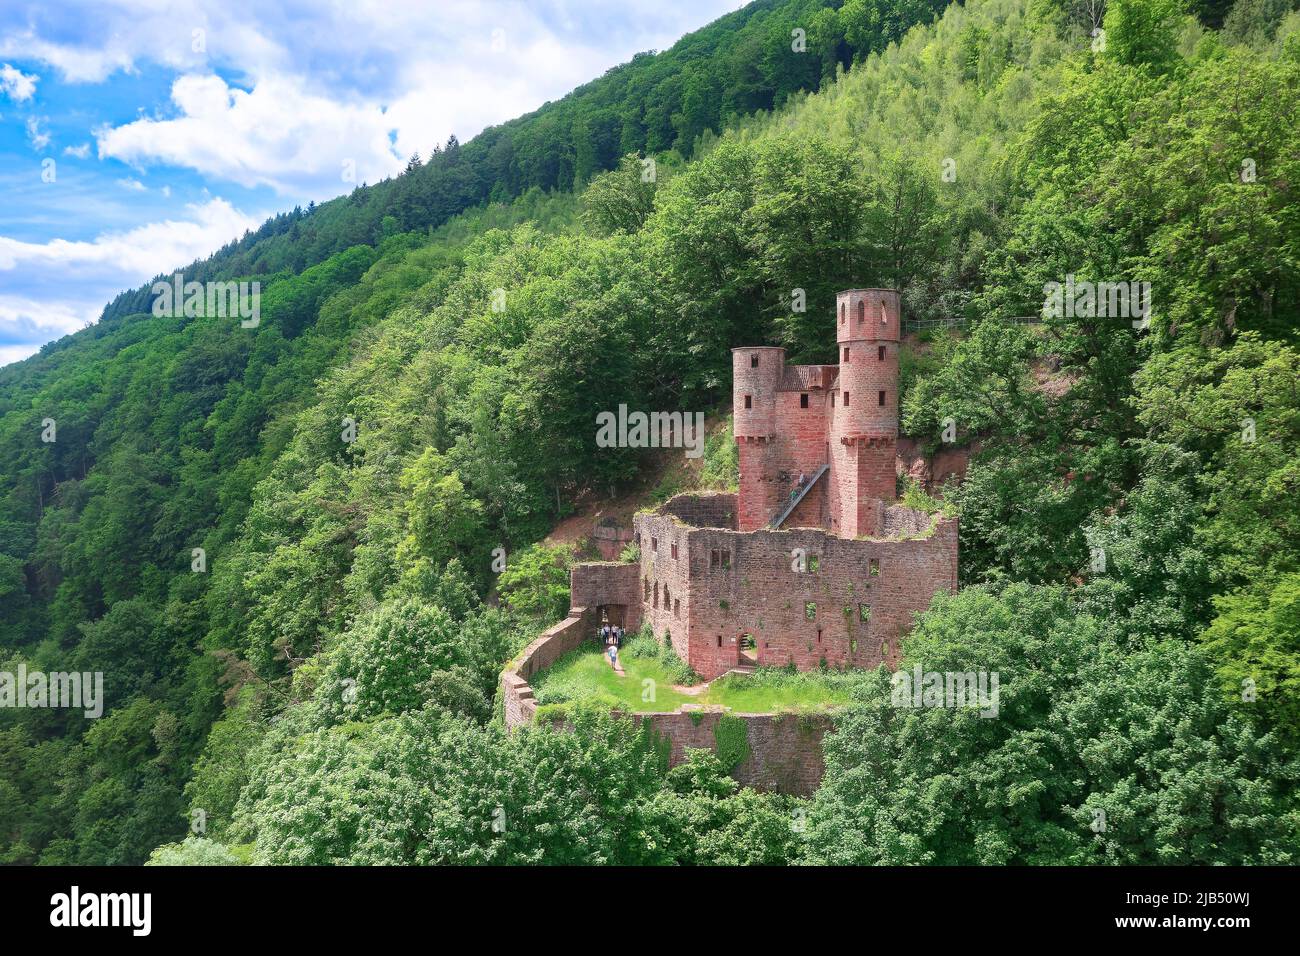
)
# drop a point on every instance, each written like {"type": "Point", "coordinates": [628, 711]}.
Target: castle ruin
{"type": "Point", "coordinates": [812, 562]}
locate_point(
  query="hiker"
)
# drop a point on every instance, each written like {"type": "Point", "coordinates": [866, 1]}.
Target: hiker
{"type": "Point", "coordinates": [613, 652]}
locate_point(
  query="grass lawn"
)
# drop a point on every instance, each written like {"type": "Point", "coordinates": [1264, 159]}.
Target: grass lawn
{"type": "Point", "coordinates": [769, 690]}
{"type": "Point", "coordinates": [585, 674]}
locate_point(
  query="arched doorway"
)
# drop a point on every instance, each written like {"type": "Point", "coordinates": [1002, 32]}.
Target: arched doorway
{"type": "Point", "coordinates": [612, 614]}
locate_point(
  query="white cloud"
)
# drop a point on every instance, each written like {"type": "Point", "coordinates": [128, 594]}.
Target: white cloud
{"type": "Point", "coordinates": [27, 324]}
{"type": "Point", "coordinates": [16, 84]}
{"type": "Point", "coordinates": [283, 97]}
{"type": "Point", "coordinates": [48, 289]}
{"type": "Point", "coordinates": [277, 96]}
{"type": "Point", "coordinates": [136, 254]}
{"type": "Point", "coordinates": [76, 64]}
{"type": "Point", "coordinates": [36, 135]}
{"type": "Point", "coordinates": [278, 134]}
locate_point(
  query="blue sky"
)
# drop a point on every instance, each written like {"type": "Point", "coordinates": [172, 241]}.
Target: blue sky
{"type": "Point", "coordinates": [138, 135]}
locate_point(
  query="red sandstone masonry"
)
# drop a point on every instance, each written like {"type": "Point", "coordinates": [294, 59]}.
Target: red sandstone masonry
{"type": "Point", "coordinates": [705, 609]}
{"type": "Point", "coordinates": [518, 704]}
{"type": "Point", "coordinates": [609, 584]}
{"type": "Point", "coordinates": [785, 749]}
{"type": "Point", "coordinates": [610, 540]}
{"type": "Point", "coordinates": [712, 572]}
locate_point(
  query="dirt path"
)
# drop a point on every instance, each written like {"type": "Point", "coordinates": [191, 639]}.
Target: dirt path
{"type": "Point", "coordinates": [616, 663]}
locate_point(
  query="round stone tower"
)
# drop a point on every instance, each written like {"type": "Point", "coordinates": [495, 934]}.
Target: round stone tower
{"type": "Point", "coordinates": [864, 422]}
{"type": "Point", "coordinates": [867, 332]}
{"type": "Point", "coordinates": [756, 375]}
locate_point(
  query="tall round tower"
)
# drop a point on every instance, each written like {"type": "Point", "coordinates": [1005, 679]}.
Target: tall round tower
{"type": "Point", "coordinates": [755, 376]}
{"type": "Point", "coordinates": [864, 422]}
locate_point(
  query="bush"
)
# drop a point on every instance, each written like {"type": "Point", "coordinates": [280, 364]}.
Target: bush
{"type": "Point", "coordinates": [535, 583]}
{"type": "Point", "coordinates": [721, 469]}
{"type": "Point", "coordinates": [646, 646]}
{"type": "Point", "coordinates": [193, 851]}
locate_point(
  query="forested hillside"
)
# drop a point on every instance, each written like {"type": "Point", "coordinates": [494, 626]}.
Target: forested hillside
{"type": "Point", "coordinates": [658, 103]}
{"type": "Point", "coordinates": [422, 390]}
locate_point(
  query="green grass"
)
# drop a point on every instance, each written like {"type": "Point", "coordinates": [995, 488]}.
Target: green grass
{"type": "Point", "coordinates": [768, 690]}
{"type": "Point", "coordinates": [585, 675]}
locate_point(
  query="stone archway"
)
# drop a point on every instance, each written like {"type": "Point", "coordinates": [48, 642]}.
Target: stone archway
{"type": "Point", "coordinates": [615, 614]}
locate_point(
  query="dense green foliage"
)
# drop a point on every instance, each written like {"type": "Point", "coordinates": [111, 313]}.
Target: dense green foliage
{"type": "Point", "coordinates": [1085, 725]}
{"type": "Point", "coordinates": [322, 689]}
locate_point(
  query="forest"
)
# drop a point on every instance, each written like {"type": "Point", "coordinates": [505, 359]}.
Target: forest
{"type": "Point", "coordinates": [433, 352]}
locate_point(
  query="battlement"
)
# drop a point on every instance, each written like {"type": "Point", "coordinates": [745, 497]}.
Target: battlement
{"type": "Point", "coordinates": [791, 420]}
{"type": "Point", "coordinates": [868, 315]}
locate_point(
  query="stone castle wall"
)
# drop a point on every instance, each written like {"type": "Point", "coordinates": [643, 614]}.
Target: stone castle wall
{"type": "Point", "coordinates": [518, 704]}
{"type": "Point", "coordinates": [704, 589]}
{"type": "Point", "coordinates": [785, 752]}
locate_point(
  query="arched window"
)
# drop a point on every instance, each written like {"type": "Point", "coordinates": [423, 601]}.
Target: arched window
{"type": "Point", "coordinates": [842, 307]}
{"type": "Point", "coordinates": [862, 309]}
{"type": "Point", "coordinates": [884, 317]}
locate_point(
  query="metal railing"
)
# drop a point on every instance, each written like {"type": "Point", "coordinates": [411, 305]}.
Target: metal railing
{"type": "Point", "coordinates": [798, 497]}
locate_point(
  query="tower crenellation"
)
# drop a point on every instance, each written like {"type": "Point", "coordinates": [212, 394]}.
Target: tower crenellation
{"type": "Point", "coordinates": [831, 427]}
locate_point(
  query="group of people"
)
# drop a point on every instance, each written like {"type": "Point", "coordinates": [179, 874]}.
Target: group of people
{"type": "Point", "coordinates": [612, 635]}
